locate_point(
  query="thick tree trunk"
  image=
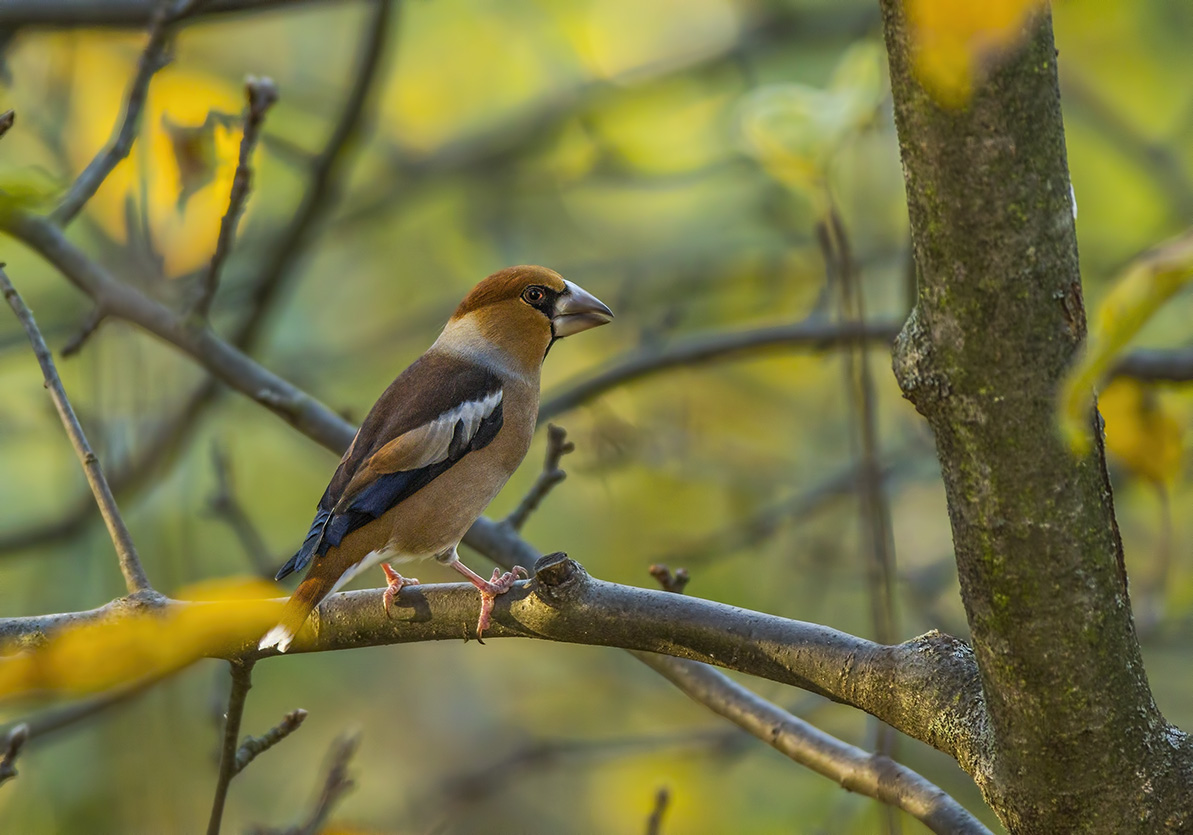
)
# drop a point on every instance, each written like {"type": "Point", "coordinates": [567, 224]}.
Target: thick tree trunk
{"type": "Point", "coordinates": [1075, 740]}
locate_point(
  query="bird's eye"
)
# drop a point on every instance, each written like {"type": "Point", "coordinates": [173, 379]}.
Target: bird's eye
{"type": "Point", "coordinates": [534, 295]}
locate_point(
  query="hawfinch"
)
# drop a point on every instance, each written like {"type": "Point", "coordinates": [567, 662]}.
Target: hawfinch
{"type": "Point", "coordinates": [440, 443]}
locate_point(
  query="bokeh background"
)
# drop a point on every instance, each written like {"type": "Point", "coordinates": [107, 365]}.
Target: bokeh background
{"type": "Point", "coordinates": [673, 157]}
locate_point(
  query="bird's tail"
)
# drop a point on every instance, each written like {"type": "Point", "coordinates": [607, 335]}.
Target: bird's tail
{"type": "Point", "coordinates": [305, 598]}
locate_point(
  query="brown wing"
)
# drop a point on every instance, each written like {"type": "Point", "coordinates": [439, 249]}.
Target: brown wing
{"type": "Point", "coordinates": [436, 412]}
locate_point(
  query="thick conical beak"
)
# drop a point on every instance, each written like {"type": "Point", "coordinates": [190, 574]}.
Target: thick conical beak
{"type": "Point", "coordinates": [578, 310]}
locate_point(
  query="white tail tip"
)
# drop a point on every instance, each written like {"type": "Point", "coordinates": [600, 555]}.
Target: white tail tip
{"type": "Point", "coordinates": [279, 637]}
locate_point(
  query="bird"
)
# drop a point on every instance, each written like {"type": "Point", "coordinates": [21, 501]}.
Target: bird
{"type": "Point", "coordinates": [439, 444]}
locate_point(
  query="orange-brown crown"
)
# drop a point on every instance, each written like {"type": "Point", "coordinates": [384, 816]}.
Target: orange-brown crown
{"type": "Point", "coordinates": [507, 285]}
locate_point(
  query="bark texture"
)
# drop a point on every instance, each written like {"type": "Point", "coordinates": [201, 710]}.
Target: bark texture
{"type": "Point", "coordinates": [1076, 742]}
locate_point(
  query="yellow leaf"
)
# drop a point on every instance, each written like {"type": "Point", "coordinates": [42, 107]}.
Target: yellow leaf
{"type": "Point", "coordinates": [141, 645]}
{"type": "Point", "coordinates": [1142, 431]}
{"type": "Point", "coordinates": [1145, 285]}
{"type": "Point", "coordinates": [180, 170]}
{"type": "Point", "coordinates": [956, 41]}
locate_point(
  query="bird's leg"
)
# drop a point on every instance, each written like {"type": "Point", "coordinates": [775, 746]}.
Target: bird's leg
{"type": "Point", "coordinates": [393, 584]}
{"type": "Point", "coordinates": [499, 583]}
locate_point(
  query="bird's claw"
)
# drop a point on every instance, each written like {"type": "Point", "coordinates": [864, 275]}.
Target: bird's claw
{"type": "Point", "coordinates": [499, 583]}
{"type": "Point", "coordinates": [394, 583]}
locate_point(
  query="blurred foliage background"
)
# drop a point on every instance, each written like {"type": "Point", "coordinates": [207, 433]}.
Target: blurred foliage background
{"type": "Point", "coordinates": [673, 157]}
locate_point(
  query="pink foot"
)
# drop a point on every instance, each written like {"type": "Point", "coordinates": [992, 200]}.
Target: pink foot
{"type": "Point", "coordinates": [394, 582]}
{"type": "Point", "coordinates": [498, 584]}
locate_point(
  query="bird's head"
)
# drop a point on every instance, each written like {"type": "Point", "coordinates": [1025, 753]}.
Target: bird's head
{"type": "Point", "coordinates": [521, 311]}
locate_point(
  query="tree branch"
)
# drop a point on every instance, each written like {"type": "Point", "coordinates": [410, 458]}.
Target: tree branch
{"type": "Point", "coordinates": [126, 552]}
{"type": "Point", "coordinates": [242, 682]}
{"type": "Point", "coordinates": [221, 359]}
{"type": "Point", "coordinates": [335, 785]}
{"type": "Point", "coordinates": [557, 446]}
{"type": "Point", "coordinates": [872, 775]}
{"type": "Point", "coordinates": [712, 347]}
{"type": "Point", "coordinates": [926, 687]}
{"type": "Point", "coordinates": [7, 120]}
{"type": "Point", "coordinates": [654, 823]}
{"type": "Point", "coordinates": [261, 93]}
{"type": "Point", "coordinates": [119, 13]}
{"type": "Point", "coordinates": [1158, 366]}
{"type": "Point", "coordinates": [327, 169]}
{"type": "Point", "coordinates": [255, 746]}
{"type": "Point", "coordinates": [162, 26]}
{"type": "Point", "coordinates": [12, 746]}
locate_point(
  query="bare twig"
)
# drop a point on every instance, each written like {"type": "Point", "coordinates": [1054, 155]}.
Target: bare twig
{"type": "Point", "coordinates": [673, 582]}
{"type": "Point", "coordinates": [654, 824]}
{"type": "Point", "coordinates": [12, 746]}
{"type": "Point", "coordinates": [121, 13]}
{"type": "Point", "coordinates": [153, 58]}
{"type": "Point", "coordinates": [328, 168]}
{"type": "Point", "coordinates": [335, 785]}
{"type": "Point", "coordinates": [856, 770]}
{"type": "Point", "coordinates": [50, 721]}
{"type": "Point", "coordinates": [242, 682]}
{"type": "Point", "coordinates": [695, 350]}
{"type": "Point", "coordinates": [1159, 366]}
{"type": "Point", "coordinates": [130, 563]}
{"type": "Point", "coordinates": [876, 776]}
{"type": "Point", "coordinates": [254, 746]}
{"type": "Point", "coordinates": [86, 330]}
{"type": "Point", "coordinates": [873, 507]}
{"type": "Point", "coordinates": [161, 445]}
{"type": "Point", "coordinates": [7, 119]}
{"type": "Point", "coordinates": [261, 94]}
{"type": "Point", "coordinates": [557, 446]}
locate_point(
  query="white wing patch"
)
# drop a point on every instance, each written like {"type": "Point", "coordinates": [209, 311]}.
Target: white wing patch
{"type": "Point", "coordinates": [435, 438]}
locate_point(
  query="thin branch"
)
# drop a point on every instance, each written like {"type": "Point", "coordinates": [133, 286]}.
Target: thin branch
{"type": "Point", "coordinates": [130, 564]}
{"type": "Point", "coordinates": [335, 785]}
{"type": "Point", "coordinates": [876, 776]}
{"type": "Point", "coordinates": [223, 360]}
{"type": "Point", "coordinates": [715, 346]}
{"type": "Point", "coordinates": [557, 446]}
{"type": "Point", "coordinates": [161, 445]}
{"type": "Point", "coordinates": [261, 93]}
{"type": "Point", "coordinates": [49, 722]}
{"type": "Point", "coordinates": [1158, 366]}
{"type": "Point", "coordinates": [12, 746]}
{"type": "Point", "coordinates": [7, 119]}
{"type": "Point", "coordinates": [674, 582]}
{"type": "Point", "coordinates": [155, 56]}
{"type": "Point", "coordinates": [242, 682]}
{"type": "Point", "coordinates": [328, 168]}
{"type": "Point", "coordinates": [654, 824]}
{"type": "Point", "coordinates": [86, 330]}
{"type": "Point", "coordinates": [873, 508]}
{"type": "Point", "coordinates": [856, 770]}
{"type": "Point", "coordinates": [254, 746]}
{"type": "Point", "coordinates": [119, 13]}
{"type": "Point", "coordinates": [753, 530]}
